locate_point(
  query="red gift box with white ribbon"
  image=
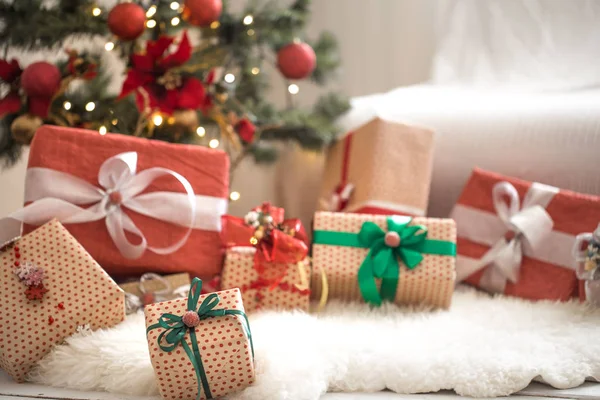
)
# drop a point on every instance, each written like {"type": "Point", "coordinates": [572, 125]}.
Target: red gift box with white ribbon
{"type": "Point", "coordinates": [136, 205]}
{"type": "Point", "coordinates": [516, 237]}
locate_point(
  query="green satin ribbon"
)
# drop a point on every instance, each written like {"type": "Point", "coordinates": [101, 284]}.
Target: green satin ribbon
{"type": "Point", "coordinates": [175, 331]}
{"type": "Point", "coordinates": [382, 261]}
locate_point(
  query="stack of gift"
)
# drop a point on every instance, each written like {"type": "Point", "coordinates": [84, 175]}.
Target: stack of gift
{"type": "Point", "coordinates": [135, 205]}
{"type": "Point", "coordinates": [266, 259]}
{"type": "Point", "coordinates": [515, 237]}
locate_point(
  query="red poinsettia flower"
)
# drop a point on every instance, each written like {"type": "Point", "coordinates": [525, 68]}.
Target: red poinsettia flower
{"type": "Point", "coordinates": [154, 75]}
{"type": "Point", "coordinates": [81, 68]}
{"type": "Point", "coordinates": [245, 130]}
{"type": "Point", "coordinates": [10, 72]}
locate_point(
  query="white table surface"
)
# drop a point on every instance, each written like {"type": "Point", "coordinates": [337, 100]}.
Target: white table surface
{"type": "Point", "coordinates": [14, 391]}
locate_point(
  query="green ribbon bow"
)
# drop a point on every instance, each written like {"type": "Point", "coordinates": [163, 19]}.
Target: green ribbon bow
{"type": "Point", "coordinates": [175, 331]}
{"type": "Point", "coordinates": [382, 260]}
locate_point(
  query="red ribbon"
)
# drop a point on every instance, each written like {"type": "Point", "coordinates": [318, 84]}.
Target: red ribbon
{"type": "Point", "coordinates": [273, 252]}
{"type": "Point", "coordinates": [342, 201]}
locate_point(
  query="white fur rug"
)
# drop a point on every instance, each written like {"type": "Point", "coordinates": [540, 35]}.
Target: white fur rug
{"type": "Point", "coordinates": [482, 347]}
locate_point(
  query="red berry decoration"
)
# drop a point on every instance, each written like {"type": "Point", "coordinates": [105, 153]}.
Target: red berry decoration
{"type": "Point", "coordinates": [246, 130]}
{"type": "Point", "coordinates": [41, 80]}
{"type": "Point", "coordinates": [191, 319]}
{"type": "Point", "coordinates": [202, 12]}
{"type": "Point", "coordinates": [127, 21]}
{"type": "Point", "coordinates": [296, 60]}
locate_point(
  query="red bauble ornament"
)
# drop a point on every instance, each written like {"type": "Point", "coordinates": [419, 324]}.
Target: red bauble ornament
{"type": "Point", "coordinates": [41, 80]}
{"type": "Point", "coordinates": [202, 12]}
{"type": "Point", "coordinates": [127, 21]}
{"type": "Point", "coordinates": [296, 60]}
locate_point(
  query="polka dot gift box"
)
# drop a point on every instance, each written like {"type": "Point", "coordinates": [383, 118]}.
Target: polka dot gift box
{"type": "Point", "coordinates": [377, 258]}
{"type": "Point", "coordinates": [266, 259]}
{"type": "Point", "coordinates": [271, 291]}
{"type": "Point", "coordinates": [200, 347]}
{"type": "Point", "coordinates": [49, 286]}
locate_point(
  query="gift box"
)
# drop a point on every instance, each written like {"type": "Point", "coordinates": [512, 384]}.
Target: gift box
{"type": "Point", "coordinates": [280, 286]}
{"type": "Point", "coordinates": [200, 347]}
{"type": "Point", "coordinates": [379, 258]}
{"type": "Point", "coordinates": [370, 169]}
{"type": "Point", "coordinates": [266, 259]}
{"type": "Point", "coordinates": [516, 237]}
{"type": "Point", "coordinates": [50, 286]}
{"type": "Point", "coordinates": [136, 205]}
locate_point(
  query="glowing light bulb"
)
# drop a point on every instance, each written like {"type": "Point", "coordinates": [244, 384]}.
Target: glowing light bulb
{"type": "Point", "coordinates": [102, 130]}
{"type": "Point", "coordinates": [174, 6]}
{"type": "Point", "coordinates": [215, 24]}
{"type": "Point", "coordinates": [157, 120]}
{"type": "Point", "coordinates": [234, 196]}
{"type": "Point", "coordinates": [96, 11]}
{"type": "Point", "coordinates": [250, 32]}
{"type": "Point", "coordinates": [91, 106]}
{"type": "Point", "coordinates": [115, 121]}
{"type": "Point", "coordinates": [229, 78]}
{"type": "Point", "coordinates": [255, 71]}
{"type": "Point", "coordinates": [151, 23]}
{"type": "Point", "coordinates": [175, 21]}
{"type": "Point", "coordinates": [293, 88]}
{"type": "Point", "coordinates": [248, 19]}
{"type": "Point", "coordinates": [67, 105]}
{"type": "Point", "coordinates": [200, 131]}
{"type": "Point", "coordinates": [109, 46]}
{"type": "Point", "coordinates": [213, 144]}
{"type": "Point", "coordinates": [151, 11]}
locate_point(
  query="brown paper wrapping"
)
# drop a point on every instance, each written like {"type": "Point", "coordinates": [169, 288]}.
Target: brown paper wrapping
{"type": "Point", "coordinates": [385, 158]}
{"type": "Point", "coordinates": [239, 272]}
{"type": "Point", "coordinates": [224, 348]}
{"type": "Point", "coordinates": [79, 293]}
{"type": "Point", "coordinates": [430, 283]}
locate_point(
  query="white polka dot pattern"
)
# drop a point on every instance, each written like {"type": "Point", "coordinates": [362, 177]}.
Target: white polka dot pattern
{"type": "Point", "coordinates": [224, 349]}
{"type": "Point", "coordinates": [239, 272]}
{"type": "Point", "coordinates": [79, 293]}
{"type": "Point", "coordinates": [431, 282]}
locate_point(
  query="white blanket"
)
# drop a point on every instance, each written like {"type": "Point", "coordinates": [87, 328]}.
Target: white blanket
{"type": "Point", "coordinates": [483, 346]}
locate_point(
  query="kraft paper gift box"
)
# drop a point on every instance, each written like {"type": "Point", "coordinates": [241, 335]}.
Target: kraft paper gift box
{"type": "Point", "coordinates": [516, 237]}
{"type": "Point", "coordinates": [200, 347]}
{"type": "Point", "coordinates": [49, 286]}
{"type": "Point", "coordinates": [136, 205]}
{"type": "Point", "coordinates": [377, 258]}
{"type": "Point", "coordinates": [268, 290]}
{"type": "Point", "coordinates": [370, 169]}
{"type": "Point", "coordinates": [272, 272]}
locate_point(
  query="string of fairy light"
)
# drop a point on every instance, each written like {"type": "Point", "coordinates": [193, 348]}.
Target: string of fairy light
{"type": "Point", "coordinates": [157, 119]}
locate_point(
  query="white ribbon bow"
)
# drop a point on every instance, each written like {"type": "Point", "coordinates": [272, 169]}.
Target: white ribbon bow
{"type": "Point", "coordinates": [56, 194]}
{"type": "Point", "coordinates": [334, 203]}
{"type": "Point", "coordinates": [530, 225]}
